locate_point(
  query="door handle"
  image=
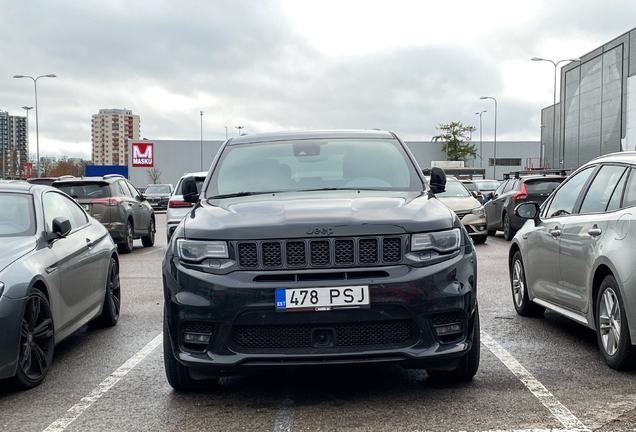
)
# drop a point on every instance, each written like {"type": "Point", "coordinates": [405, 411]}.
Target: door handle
{"type": "Point", "coordinates": [595, 231]}
{"type": "Point", "coordinates": [555, 232]}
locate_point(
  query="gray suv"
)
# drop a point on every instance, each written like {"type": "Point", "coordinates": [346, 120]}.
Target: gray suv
{"type": "Point", "coordinates": [117, 204]}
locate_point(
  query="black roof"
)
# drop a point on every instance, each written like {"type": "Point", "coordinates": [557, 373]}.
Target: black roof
{"type": "Point", "coordinates": [312, 134]}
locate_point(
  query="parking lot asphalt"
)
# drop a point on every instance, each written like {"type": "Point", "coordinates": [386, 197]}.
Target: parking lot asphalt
{"type": "Point", "coordinates": [535, 374]}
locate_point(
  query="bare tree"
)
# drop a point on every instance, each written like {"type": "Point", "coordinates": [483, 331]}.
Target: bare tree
{"type": "Point", "coordinates": [154, 175]}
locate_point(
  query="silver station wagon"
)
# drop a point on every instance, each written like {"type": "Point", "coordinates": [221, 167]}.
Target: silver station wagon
{"type": "Point", "coordinates": [577, 254]}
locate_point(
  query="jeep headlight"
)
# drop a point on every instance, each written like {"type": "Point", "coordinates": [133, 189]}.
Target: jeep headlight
{"type": "Point", "coordinates": [198, 250]}
{"type": "Point", "coordinates": [479, 211]}
{"type": "Point", "coordinates": [440, 241]}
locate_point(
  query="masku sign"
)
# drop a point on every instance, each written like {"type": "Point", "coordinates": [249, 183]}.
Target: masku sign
{"type": "Point", "coordinates": [142, 155]}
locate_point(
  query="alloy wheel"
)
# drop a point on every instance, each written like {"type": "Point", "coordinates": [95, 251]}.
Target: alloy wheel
{"type": "Point", "coordinates": [114, 291]}
{"type": "Point", "coordinates": [518, 285]}
{"type": "Point", "coordinates": [610, 321]}
{"type": "Point", "coordinates": [129, 235]}
{"type": "Point", "coordinates": [36, 338]}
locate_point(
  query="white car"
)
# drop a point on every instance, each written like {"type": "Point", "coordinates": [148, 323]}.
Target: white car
{"type": "Point", "coordinates": [177, 207]}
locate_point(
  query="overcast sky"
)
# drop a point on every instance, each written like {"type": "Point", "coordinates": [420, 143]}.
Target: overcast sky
{"type": "Point", "coordinates": [268, 65]}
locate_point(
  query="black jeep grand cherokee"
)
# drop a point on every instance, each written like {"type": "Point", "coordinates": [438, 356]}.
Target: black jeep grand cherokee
{"type": "Point", "coordinates": [318, 248]}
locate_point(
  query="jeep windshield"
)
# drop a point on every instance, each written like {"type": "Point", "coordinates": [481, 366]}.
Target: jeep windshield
{"type": "Point", "coordinates": [306, 165]}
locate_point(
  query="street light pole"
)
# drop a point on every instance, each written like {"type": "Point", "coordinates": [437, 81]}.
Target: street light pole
{"type": "Point", "coordinates": [239, 129]}
{"type": "Point", "coordinates": [225, 132]}
{"type": "Point", "coordinates": [481, 155]}
{"type": "Point", "coordinates": [201, 140]}
{"type": "Point", "coordinates": [561, 151]}
{"type": "Point", "coordinates": [37, 132]}
{"type": "Point", "coordinates": [494, 164]}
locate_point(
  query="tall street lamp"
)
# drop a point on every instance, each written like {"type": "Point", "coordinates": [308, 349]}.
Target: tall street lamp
{"type": "Point", "coordinates": [561, 155]}
{"type": "Point", "coordinates": [27, 109]}
{"type": "Point", "coordinates": [494, 164]}
{"type": "Point", "coordinates": [201, 140]}
{"type": "Point", "coordinates": [481, 155]}
{"type": "Point", "coordinates": [225, 132]}
{"type": "Point", "coordinates": [37, 133]}
{"type": "Point", "coordinates": [239, 129]}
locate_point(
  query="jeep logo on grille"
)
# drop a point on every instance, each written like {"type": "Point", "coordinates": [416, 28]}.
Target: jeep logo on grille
{"type": "Point", "coordinates": [320, 230]}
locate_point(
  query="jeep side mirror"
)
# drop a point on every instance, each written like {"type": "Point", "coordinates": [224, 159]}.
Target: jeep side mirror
{"type": "Point", "coordinates": [189, 189]}
{"type": "Point", "coordinates": [438, 180]}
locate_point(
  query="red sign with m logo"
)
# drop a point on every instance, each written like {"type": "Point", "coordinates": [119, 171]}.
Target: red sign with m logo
{"type": "Point", "coordinates": [142, 155]}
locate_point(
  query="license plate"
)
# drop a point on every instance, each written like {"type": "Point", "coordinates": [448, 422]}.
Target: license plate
{"type": "Point", "coordinates": [322, 299]}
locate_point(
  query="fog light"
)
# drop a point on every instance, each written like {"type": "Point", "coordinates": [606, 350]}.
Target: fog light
{"type": "Point", "coordinates": [196, 338]}
{"type": "Point", "coordinates": [448, 329]}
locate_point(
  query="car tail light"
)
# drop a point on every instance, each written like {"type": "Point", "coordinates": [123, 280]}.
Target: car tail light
{"type": "Point", "coordinates": [521, 195]}
{"type": "Point", "coordinates": [179, 204]}
{"type": "Point", "coordinates": [112, 201]}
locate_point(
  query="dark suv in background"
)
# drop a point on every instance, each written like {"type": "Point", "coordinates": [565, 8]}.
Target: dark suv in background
{"type": "Point", "coordinates": [318, 248]}
{"type": "Point", "coordinates": [518, 187]}
{"type": "Point", "coordinates": [117, 204]}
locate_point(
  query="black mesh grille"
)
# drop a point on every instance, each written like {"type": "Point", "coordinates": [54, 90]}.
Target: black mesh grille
{"type": "Point", "coordinates": [319, 252]}
{"type": "Point", "coordinates": [271, 255]}
{"type": "Point", "coordinates": [344, 252]}
{"type": "Point", "coordinates": [445, 319]}
{"type": "Point", "coordinates": [248, 256]}
{"type": "Point", "coordinates": [368, 251]}
{"type": "Point", "coordinates": [347, 335]}
{"type": "Point", "coordinates": [193, 327]}
{"type": "Point", "coordinates": [392, 250]}
{"type": "Point", "coordinates": [296, 255]}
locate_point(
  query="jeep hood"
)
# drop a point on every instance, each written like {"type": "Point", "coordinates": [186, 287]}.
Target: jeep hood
{"type": "Point", "coordinates": [319, 213]}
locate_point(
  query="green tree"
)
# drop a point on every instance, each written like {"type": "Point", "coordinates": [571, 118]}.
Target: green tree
{"type": "Point", "coordinates": [456, 143]}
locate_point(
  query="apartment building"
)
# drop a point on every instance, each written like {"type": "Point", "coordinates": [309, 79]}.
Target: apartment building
{"type": "Point", "coordinates": [14, 144]}
{"type": "Point", "coordinates": [110, 130]}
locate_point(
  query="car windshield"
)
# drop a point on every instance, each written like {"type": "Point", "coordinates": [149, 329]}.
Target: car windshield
{"type": "Point", "coordinates": [17, 216]}
{"type": "Point", "coordinates": [157, 189]}
{"type": "Point", "coordinates": [489, 185]}
{"type": "Point", "coordinates": [470, 186]}
{"type": "Point", "coordinates": [84, 190]}
{"type": "Point", "coordinates": [454, 189]}
{"type": "Point", "coordinates": [313, 165]}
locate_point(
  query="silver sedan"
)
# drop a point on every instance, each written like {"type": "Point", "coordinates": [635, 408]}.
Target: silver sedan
{"type": "Point", "coordinates": [59, 270]}
{"type": "Point", "coordinates": [576, 255]}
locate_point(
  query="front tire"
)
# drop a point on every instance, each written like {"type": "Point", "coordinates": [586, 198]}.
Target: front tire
{"type": "Point", "coordinates": [523, 304]}
{"type": "Point", "coordinates": [37, 339]}
{"type": "Point", "coordinates": [149, 240]}
{"type": "Point", "coordinates": [112, 299]}
{"type": "Point", "coordinates": [177, 374]}
{"type": "Point", "coordinates": [612, 331]}
{"type": "Point", "coordinates": [127, 245]}
{"type": "Point", "coordinates": [468, 363]}
{"type": "Point", "coordinates": [480, 239]}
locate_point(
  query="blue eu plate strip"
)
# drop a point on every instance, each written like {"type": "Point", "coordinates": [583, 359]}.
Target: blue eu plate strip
{"type": "Point", "coordinates": [281, 302]}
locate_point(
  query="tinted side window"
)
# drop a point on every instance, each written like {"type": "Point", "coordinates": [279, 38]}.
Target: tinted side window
{"type": "Point", "coordinates": [125, 189]}
{"type": "Point", "coordinates": [512, 184]}
{"type": "Point", "coordinates": [133, 191]}
{"type": "Point", "coordinates": [56, 205]}
{"type": "Point", "coordinates": [501, 187]}
{"type": "Point", "coordinates": [600, 191]}
{"type": "Point", "coordinates": [564, 199]}
{"type": "Point", "coordinates": [630, 191]}
{"type": "Point", "coordinates": [615, 201]}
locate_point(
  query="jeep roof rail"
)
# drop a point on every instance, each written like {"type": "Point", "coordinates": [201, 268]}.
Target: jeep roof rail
{"type": "Point", "coordinates": [107, 176]}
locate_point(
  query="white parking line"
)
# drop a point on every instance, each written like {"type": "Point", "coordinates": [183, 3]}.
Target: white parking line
{"type": "Point", "coordinates": [60, 424]}
{"type": "Point", "coordinates": [562, 414]}
{"type": "Point", "coordinates": [285, 414]}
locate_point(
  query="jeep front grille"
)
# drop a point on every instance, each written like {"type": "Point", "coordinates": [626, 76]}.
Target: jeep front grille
{"type": "Point", "coordinates": [319, 253]}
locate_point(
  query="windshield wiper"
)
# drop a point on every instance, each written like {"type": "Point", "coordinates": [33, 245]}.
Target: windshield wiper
{"type": "Point", "coordinates": [242, 194]}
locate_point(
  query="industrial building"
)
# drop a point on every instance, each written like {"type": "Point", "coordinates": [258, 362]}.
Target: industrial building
{"type": "Point", "coordinates": [596, 114]}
